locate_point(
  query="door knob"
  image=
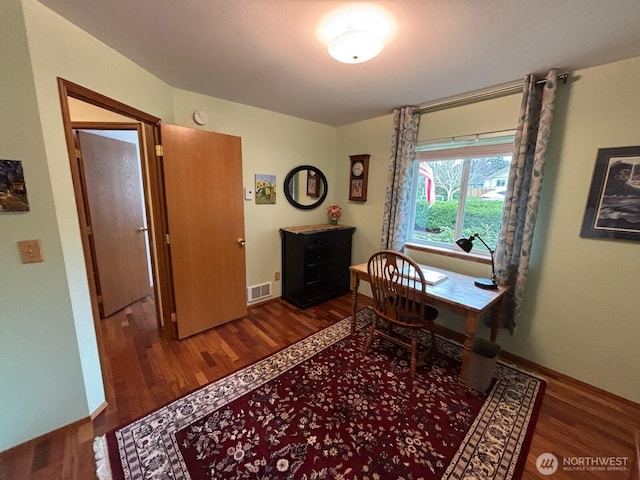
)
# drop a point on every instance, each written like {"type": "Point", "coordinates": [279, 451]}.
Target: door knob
{"type": "Point", "coordinates": [143, 229]}
{"type": "Point", "coordinates": [241, 242]}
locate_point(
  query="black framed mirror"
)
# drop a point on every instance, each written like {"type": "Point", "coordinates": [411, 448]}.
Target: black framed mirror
{"type": "Point", "coordinates": [305, 187]}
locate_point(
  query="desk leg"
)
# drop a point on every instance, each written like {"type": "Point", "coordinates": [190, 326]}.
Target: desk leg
{"type": "Point", "coordinates": [355, 283]}
{"type": "Point", "coordinates": [495, 312]}
{"type": "Point", "coordinates": [469, 333]}
{"type": "Point", "coordinates": [494, 333]}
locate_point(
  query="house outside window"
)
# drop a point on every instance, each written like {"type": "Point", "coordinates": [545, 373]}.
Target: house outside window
{"type": "Point", "coordinates": [498, 179]}
{"type": "Point", "coordinates": [458, 189]}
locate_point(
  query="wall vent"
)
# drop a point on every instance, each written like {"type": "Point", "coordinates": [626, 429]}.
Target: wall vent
{"type": "Point", "coordinates": [258, 292]}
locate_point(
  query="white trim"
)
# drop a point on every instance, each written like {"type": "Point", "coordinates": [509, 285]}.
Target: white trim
{"type": "Point", "coordinates": [470, 151]}
{"type": "Point", "coordinates": [98, 410]}
{"type": "Point", "coordinates": [467, 146]}
{"type": "Point", "coordinates": [486, 137]}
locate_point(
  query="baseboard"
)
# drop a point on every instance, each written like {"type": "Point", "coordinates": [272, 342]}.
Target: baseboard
{"type": "Point", "coordinates": [101, 408]}
{"type": "Point", "coordinates": [44, 436]}
{"type": "Point", "coordinates": [61, 430]}
{"type": "Point", "coordinates": [262, 303]}
{"type": "Point", "coordinates": [541, 370]}
{"type": "Point", "coordinates": [561, 377]}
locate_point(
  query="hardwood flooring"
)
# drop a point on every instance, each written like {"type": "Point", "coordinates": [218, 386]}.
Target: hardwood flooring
{"type": "Point", "coordinates": [143, 371]}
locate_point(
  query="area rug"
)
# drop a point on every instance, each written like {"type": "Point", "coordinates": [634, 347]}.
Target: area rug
{"type": "Point", "coordinates": [321, 409]}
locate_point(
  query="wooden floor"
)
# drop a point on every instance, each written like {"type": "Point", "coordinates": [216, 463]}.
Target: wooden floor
{"type": "Point", "coordinates": [143, 371]}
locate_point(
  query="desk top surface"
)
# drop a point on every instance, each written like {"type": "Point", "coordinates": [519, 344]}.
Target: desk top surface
{"type": "Point", "coordinates": [458, 289]}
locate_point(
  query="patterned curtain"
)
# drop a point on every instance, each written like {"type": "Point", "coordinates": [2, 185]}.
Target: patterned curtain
{"type": "Point", "coordinates": [523, 193]}
{"type": "Point", "coordinates": [397, 200]}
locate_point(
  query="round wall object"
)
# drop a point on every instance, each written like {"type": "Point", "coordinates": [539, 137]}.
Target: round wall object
{"type": "Point", "coordinates": [200, 117]}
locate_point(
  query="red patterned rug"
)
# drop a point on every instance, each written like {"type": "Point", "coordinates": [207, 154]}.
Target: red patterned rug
{"type": "Point", "coordinates": [321, 409]}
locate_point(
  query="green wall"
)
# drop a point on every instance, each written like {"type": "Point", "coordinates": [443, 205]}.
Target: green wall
{"type": "Point", "coordinates": [581, 307]}
{"type": "Point", "coordinates": [573, 321]}
{"type": "Point", "coordinates": [43, 384]}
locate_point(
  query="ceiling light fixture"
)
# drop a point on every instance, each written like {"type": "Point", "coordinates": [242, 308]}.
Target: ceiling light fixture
{"type": "Point", "coordinates": [356, 32]}
{"type": "Point", "coordinates": [355, 46]}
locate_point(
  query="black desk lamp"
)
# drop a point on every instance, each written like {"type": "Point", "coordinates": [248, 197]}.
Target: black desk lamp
{"type": "Point", "coordinates": [466, 244]}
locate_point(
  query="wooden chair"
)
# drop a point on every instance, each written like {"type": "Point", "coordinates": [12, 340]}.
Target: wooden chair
{"type": "Point", "coordinates": [399, 288]}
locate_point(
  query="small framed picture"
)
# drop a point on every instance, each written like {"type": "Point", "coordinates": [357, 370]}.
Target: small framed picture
{"type": "Point", "coordinates": [356, 189]}
{"type": "Point", "coordinates": [312, 184]}
{"type": "Point", "coordinates": [13, 189]}
{"type": "Point", "coordinates": [265, 189]}
{"type": "Point", "coordinates": [613, 206]}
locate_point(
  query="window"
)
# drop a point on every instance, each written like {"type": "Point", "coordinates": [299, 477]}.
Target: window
{"type": "Point", "coordinates": [458, 189]}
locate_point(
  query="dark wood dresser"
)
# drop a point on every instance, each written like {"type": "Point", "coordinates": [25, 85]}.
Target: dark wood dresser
{"type": "Point", "coordinates": [315, 263]}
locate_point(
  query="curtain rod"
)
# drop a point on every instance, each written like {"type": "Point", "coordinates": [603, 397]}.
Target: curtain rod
{"type": "Point", "coordinates": [479, 95]}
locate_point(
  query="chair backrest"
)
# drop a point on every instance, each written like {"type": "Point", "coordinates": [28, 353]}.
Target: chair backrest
{"type": "Point", "coordinates": [398, 287]}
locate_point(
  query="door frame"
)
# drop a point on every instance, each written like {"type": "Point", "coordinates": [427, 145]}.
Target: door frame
{"type": "Point", "coordinates": [149, 138]}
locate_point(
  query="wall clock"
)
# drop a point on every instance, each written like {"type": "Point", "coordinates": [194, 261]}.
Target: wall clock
{"type": "Point", "coordinates": [358, 177]}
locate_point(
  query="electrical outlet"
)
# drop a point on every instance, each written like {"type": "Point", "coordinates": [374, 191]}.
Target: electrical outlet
{"type": "Point", "coordinates": [277, 276]}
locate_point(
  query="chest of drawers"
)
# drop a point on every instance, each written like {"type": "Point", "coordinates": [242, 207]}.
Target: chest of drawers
{"type": "Point", "coordinates": [315, 263]}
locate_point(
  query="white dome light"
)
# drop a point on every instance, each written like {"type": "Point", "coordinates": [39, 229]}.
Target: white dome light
{"type": "Point", "coordinates": [356, 32]}
{"type": "Point", "coordinates": [355, 46]}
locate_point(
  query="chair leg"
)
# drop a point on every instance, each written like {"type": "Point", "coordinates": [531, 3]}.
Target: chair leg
{"type": "Point", "coordinates": [367, 344]}
{"type": "Point", "coordinates": [414, 351]}
{"type": "Point", "coordinates": [434, 345]}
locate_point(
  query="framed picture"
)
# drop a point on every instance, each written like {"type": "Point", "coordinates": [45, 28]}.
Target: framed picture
{"type": "Point", "coordinates": [13, 189]}
{"type": "Point", "coordinates": [265, 189]}
{"type": "Point", "coordinates": [613, 206]}
{"type": "Point", "coordinates": [356, 189]}
{"type": "Point", "coordinates": [312, 184]}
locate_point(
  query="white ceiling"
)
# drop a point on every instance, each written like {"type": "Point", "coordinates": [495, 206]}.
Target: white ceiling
{"type": "Point", "coordinates": [267, 53]}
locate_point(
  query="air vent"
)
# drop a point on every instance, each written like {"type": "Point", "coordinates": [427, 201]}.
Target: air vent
{"type": "Point", "coordinates": [258, 292]}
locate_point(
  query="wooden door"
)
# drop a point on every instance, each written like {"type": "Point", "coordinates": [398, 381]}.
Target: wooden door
{"type": "Point", "coordinates": [116, 215]}
{"type": "Point", "coordinates": [205, 213]}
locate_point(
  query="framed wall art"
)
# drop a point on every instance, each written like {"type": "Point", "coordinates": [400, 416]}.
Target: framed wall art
{"type": "Point", "coordinates": [613, 206]}
{"type": "Point", "coordinates": [265, 189]}
{"type": "Point", "coordinates": [312, 184]}
{"type": "Point", "coordinates": [13, 189]}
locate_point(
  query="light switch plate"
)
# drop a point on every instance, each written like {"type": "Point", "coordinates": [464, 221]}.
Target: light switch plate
{"type": "Point", "coordinates": [248, 193]}
{"type": "Point", "coordinates": [30, 251]}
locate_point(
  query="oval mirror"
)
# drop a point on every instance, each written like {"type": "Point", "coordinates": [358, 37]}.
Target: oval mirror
{"type": "Point", "coordinates": [305, 187]}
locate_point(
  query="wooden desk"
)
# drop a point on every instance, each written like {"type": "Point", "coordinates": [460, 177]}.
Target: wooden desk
{"type": "Point", "coordinates": [457, 294]}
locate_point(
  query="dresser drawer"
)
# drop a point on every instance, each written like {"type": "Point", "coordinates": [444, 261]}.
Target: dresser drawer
{"type": "Point", "coordinates": [326, 253]}
{"type": "Point", "coordinates": [325, 269]}
{"type": "Point", "coordinates": [328, 238]}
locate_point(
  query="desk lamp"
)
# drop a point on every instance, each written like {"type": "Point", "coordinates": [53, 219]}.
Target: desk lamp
{"type": "Point", "coordinates": [466, 244]}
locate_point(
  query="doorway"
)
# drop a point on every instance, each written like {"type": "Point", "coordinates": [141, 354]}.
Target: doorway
{"type": "Point", "coordinates": [84, 109]}
{"type": "Point", "coordinates": [195, 220]}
